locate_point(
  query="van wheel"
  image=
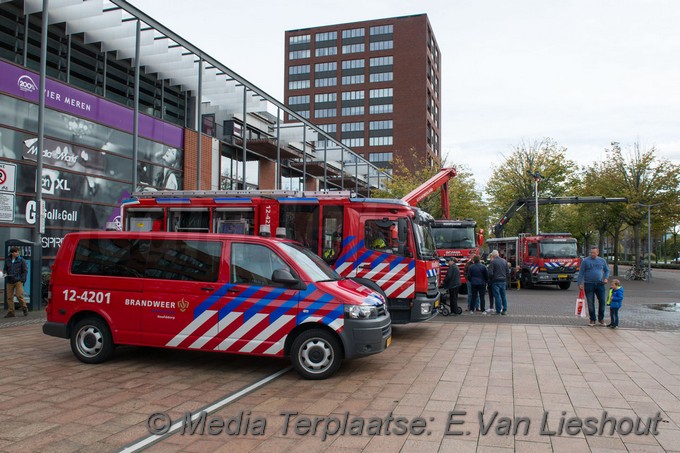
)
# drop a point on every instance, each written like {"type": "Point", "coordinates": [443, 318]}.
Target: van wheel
{"type": "Point", "coordinates": [564, 285]}
{"type": "Point", "coordinates": [316, 354]}
{"type": "Point", "coordinates": [91, 341]}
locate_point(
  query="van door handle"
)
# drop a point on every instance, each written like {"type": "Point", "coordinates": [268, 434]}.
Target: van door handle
{"type": "Point", "coordinates": [207, 288]}
{"type": "Point", "coordinates": [365, 265]}
{"type": "Point", "coordinates": [233, 290]}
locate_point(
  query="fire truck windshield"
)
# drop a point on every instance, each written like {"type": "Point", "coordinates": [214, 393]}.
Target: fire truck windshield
{"type": "Point", "coordinates": [424, 240]}
{"type": "Point", "coordinates": [551, 249]}
{"type": "Point", "coordinates": [454, 237]}
{"type": "Point", "coordinates": [312, 264]}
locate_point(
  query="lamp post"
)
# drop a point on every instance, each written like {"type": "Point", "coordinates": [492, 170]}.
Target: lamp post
{"type": "Point", "coordinates": [536, 175]}
{"type": "Point", "coordinates": [649, 238]}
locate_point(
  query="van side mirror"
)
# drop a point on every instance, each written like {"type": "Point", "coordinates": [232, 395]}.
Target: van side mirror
{"type": "Point", "coordinates": [284, 276]}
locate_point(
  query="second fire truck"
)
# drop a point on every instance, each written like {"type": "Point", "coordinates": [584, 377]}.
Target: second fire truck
{"type": "Point", "coordinates": [546, 259]}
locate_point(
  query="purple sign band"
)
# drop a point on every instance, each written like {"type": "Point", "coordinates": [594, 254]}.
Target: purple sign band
{"type": "Point", "coordinates": [23, 83]}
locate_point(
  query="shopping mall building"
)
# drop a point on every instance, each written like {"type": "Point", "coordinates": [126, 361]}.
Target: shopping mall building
{"type": "Point", "coordinates": [121, 114]}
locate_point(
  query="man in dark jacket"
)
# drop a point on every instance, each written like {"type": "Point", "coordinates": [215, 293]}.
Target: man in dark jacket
{"type": "Point", "coordinates": [498, 274]}
{"type": "Point", "coordinates": [452, 283]}
{"type": "Point", "coordinates": [16, 272]}
{"type": "Point", "coordinates": [479, 276]}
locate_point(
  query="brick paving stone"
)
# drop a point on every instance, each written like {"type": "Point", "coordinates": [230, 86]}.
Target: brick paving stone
{"type": "Point", "coordinates": [538, 359]}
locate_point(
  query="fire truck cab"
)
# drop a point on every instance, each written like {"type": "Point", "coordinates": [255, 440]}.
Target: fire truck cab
{"type": "Point", "coordinates": [384, 244]}
{"type": "Point", "coordinates": [546, 259]}
{"type": "Point", "coordinates": [456, 238]}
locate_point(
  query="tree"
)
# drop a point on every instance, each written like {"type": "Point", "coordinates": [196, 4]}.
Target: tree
{"type": "Point", "coordinates": [645, 180]}
{"type": "Point", "coordinates": [512, 180]}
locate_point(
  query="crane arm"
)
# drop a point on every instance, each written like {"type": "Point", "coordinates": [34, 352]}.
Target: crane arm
{"type": "Point", "coordinates": [440, 180]}
{"type": "Point", "coordinates": [529, 203]}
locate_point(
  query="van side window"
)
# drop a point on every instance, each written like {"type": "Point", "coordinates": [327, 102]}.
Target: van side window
{"type": "Point", "coordinates": [254, 264]}
{"type": "Point", "coordinates": [197, 261]}
{"type": "Point", "coordinates": [168, 260]}
{"type": "Point", "coordinates": [109, 257]}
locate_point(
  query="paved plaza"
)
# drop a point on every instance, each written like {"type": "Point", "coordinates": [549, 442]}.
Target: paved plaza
{"type": "Point", "coordinates": [523, 382]}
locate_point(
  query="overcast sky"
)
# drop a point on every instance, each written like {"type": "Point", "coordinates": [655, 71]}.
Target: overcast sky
{"type": "Point", "coordinates": [582, 72]}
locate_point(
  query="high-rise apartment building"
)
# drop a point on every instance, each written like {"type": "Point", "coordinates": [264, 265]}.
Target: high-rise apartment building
{"type": "Point", "coordinates": [373, 85]}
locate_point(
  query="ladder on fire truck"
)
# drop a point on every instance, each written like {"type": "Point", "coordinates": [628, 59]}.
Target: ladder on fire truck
{"type": "Point", "coordinates": [242, 194]}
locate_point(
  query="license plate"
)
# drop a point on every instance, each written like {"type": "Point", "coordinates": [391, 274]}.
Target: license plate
{"type": "Point", "coordinates": [563, 276]}
{"type": "Point", "coordinates": [389, 341]}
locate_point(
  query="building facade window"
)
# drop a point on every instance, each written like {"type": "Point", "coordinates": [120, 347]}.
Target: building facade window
{"type": "Point", "coordinates": [353, 64]}
{"type": "Point", "coordinates": [301, 69]}
{"type": "Point", "coordinates": [381, 108]}
{"type": "Point", "coordinates": [352, 127]}
{"type": "Point", "coordinates": [352, 95]}
{"type": "Point", "coordinates": [325, 113]}
{"type": "Point", "coordinates": [298, 54]}
{"type": "Point", "coordinates": [326, 82]}
{"type": "Point", "coordinates": [353, 142]}
{"type": "Point", "coordinates": [295, 100]}
{"type": "Point", "coordinates": [325, 51]}
{"type": "Point", "coordinates": [353, 48]}
{"type": "Point", "coordinates": [300, 39]}
{"type": "Point", "coordinates": [325, 67]}
{"type": "Point", "coordinates": [380, 141]}
{"type": "Point", "coordinates": [351, 111]}
{"type": "Point", "coordinates": [327, 36]}
{"type": "Point", "coordinates": [298, 84]}
{"type": "Point", "coordinates": [381, 77]}
{"type": "Point", "coordinates": [382, 30]}
{"type": "Point", "coordinates": [353, 79]}
{"type": "Point", "coordinates": [380, 125]}
{"type": "Point", "coordinates": [325, 97]}
{"type": "Point", "coordinates": [354, 33]}
{"type": "Point", "coordinates": [381, 45]}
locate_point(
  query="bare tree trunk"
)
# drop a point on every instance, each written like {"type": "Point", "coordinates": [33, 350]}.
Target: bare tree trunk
{"type": "Point", "coordinates": [617, 235]}
{"type": "Point", "coordinates": [636, 242]}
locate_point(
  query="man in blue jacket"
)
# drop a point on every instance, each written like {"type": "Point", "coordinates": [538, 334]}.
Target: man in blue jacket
{"type": "Point", "coordinates": [592, 277]}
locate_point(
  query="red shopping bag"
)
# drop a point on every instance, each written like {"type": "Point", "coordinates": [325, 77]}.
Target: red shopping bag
{"type": "Point", "coordinates": [581, 306]}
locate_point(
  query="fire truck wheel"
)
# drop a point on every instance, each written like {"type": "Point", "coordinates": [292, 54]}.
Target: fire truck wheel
{"type": "Point", "coordinates": [526, 280]}
{"type": "Point", "coordinates": [91, 341]}
{"type": "Point", "coordinates": [316, 354]}
{"type": "Point", "coordinates": [564, 285]}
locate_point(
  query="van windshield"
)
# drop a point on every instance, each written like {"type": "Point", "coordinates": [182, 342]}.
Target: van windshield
{"type": "Point", "coordinates": [310, 263]}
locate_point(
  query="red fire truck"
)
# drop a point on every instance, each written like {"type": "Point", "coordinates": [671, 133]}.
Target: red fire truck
{"type": "Point", "coordinates": [384, 244]}
{"type": "Point", "coordinates": [546, 259]}
{"type": "Point", "coordinates": [456, 238]}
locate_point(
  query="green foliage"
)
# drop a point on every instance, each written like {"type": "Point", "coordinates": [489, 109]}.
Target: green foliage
{"type": "Point", "coordinates": [511, 180]}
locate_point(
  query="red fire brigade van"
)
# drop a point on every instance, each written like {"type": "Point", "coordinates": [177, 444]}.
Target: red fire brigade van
{"type": "Point", "coordinates": [383, 244]}
{"type": "Point", "coordinates": [211, 292]}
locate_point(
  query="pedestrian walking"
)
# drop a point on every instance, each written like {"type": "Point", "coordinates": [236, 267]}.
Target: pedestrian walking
{"type": "Point", "coordinates": [498, 276]}
{"type": "Point", "coordinates": [16, 271]}
{"type": "Point", "coordinates": [592, 278]}
{"type": "Point", "coordinates": [466, 272]}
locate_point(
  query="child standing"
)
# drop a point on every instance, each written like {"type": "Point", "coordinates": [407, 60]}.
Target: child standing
{"type": "Point", "coordinates": [616, 299]}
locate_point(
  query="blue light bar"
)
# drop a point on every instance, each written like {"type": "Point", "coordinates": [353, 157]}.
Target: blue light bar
{"type": "Point", "coordinates": [173, 200]}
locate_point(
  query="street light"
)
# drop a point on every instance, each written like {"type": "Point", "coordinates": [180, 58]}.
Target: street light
{"type": "Point", "coordinates": [536, 175]}
{"type": "Point", "coordinates": [649, 238]}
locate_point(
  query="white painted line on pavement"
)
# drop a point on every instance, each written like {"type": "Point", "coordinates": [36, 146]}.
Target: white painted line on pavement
{"type": "Point", "coordinates": [147, 441]}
